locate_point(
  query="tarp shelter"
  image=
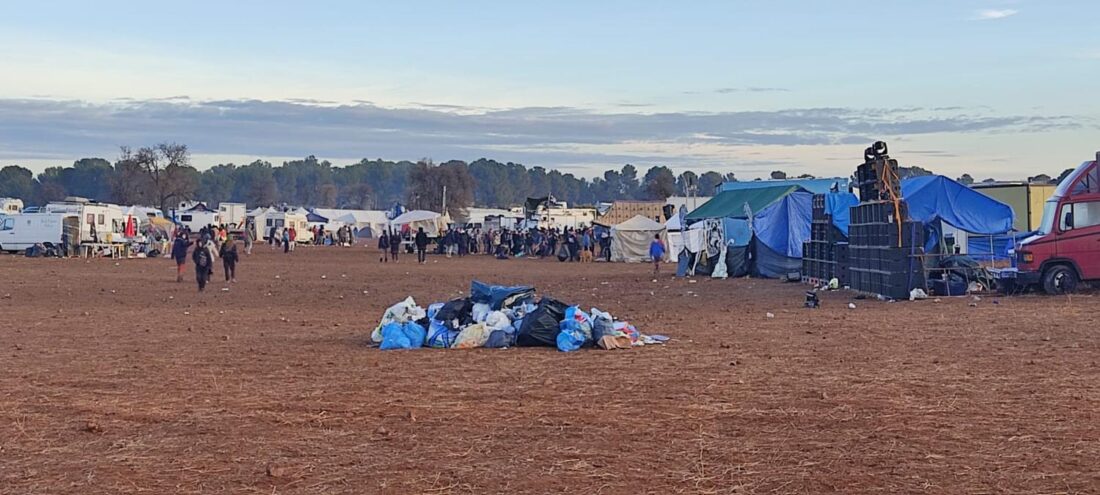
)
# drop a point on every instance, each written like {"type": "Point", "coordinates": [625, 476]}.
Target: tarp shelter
{"type": "Point", "coordinates": [366, 223]}
{"type": "Point", "coordinates": [759, 230]}
{"type": "Point", "coordinates": [630, 239]}
{"type": "Point", "coordinates": [935, 197]}
{"type": "Point", "coordinates": [946, 206]}
{"type": "Point", "coordinates": [430, 221]}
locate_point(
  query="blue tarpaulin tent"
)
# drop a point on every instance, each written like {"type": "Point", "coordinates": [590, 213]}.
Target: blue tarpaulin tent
{"type": "Point", "coordinates": [768, 244]}
{"type": "Point", "coordinates": [935, 197]}
{"type": "Point", "coordinates": [780, 229]}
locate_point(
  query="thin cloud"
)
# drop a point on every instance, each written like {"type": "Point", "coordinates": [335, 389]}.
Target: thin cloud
{"type": "Point", "coordinates": [546, 135]}
{"type": "Point", "coordinates": [994, 14]}
{"type": "Point", "coordinates": [751, 89]}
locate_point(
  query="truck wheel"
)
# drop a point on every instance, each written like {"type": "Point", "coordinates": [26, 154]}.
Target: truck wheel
{"type": "Point", "coordinates": [1059, 279]}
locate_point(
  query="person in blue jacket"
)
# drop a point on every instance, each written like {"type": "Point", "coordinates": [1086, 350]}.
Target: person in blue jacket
{"type": "Point", "coordinates": [179, 253]}
{"type": "Point", "coordinates": [657, 252]}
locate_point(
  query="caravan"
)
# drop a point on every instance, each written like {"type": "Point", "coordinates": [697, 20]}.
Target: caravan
{"type": "Point", "coordinates": [232, 215]}
{"type": "Point", "coordinates": [276, 221]}
{"type": "Point", "coordinates": [19, 232]}
{"type": "Point", "coordinates": [99, 222]}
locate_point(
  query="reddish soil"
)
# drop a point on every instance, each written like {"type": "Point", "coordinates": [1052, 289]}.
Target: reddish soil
{"type": "Point", "coordinates": [116, 379]}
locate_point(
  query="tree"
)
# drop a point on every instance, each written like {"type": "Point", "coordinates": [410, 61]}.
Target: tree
{"type": "Point", "coordinates": [687, 183]}
{"type": "Point", "coordinates": [167, 171]}
{"type": "Point", "coordinates": [17, 182]}
{"type": "Point", "coordinates": [427, 182]}
{"type": "Point", "coordinates": [88, 178]}
{"type": "Point", "coordinates": [709, 182]}
{"type": "Point", "coordinates": [914, 171]}
{"type": "Point", "coordinates": [730, 177]}
{"type": "Point", "coordinates": [989, 181]}
{"type": "Point", "coordinates": [1039, 179]}
{"type": "Point", "coordinates": [778, 175]}
{"type": "Point", "coordinates": [659, 183]}
{"type": "Point", "coordinates": [966, 180]}
{"type": "Point", "coordinates": [50, 185]}
{"type": "Point", "coordinates": [217, 184]}
{"type": "Point", "coordinates": [1061, 177]}
{"type": "Point", "coordinates": [805, 176]}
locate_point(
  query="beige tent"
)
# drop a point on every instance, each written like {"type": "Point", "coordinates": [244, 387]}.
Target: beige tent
{"type": "Point", "coordinates": [630, 240]}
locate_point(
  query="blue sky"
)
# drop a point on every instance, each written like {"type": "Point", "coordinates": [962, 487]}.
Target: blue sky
{"type": "Point", "coordinates": [995, 88]}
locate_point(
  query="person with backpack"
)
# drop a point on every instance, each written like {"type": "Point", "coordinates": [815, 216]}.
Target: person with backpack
{"type": "Point", "coordinates": [229, 256]}
{"type": "Point", "coordinates": [422, 246]}
{"type": "Point", "coordinates": [179, 253]}
{"type": "Point", "coordinates": [203, 256]}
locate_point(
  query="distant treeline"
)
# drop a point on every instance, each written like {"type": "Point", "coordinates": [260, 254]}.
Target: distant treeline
{"type": "Point", "coordinates": [162, 176]}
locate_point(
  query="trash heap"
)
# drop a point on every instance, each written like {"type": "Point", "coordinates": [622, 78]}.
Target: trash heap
{"type": "Point", "coordinates": [497, 316]}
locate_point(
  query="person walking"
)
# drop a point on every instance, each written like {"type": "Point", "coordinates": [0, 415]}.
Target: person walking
{"type": "Point", "coordinates": [286, 241]}
{"type": "Point", "coordinates": [179, 253]}
{"type": "Point", "coordinates": [657, 252]}
{"type": "Point", "coordinates": [293, 237]}
{"type": "Point", "coordinates": [203, 257]}
{"type": "Point", "coordinates": [249, 239]}
{"type": "Point", "coordinates": [395, 245]}
{"type": "Point", "coordinates": [384, 248]}
{"type": "Point", "coordinates": [229, 256]}
{"type": "Point", "coordinates": [422, 246]}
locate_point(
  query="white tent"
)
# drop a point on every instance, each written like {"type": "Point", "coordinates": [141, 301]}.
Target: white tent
{"type": "Point", "coordinates": [431, 221]}
{"type": "Point", "coordinates": [630, 240]}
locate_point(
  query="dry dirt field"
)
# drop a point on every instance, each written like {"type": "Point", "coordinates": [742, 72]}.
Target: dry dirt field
{"type": "Point", "coordinates": [116, 379]}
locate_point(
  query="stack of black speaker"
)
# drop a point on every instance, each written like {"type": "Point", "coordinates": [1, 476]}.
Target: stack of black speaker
{"type": "Point", "coordinates": [884, 247]}
{"type": "Point", "coordinates": [825, 255]}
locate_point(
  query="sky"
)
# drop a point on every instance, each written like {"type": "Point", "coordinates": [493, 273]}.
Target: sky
{"type": "Point", "coordinates": [994, 88]}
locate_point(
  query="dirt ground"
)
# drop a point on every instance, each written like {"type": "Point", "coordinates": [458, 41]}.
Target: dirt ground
{"type": "Point", "coordinates": [116, 379]}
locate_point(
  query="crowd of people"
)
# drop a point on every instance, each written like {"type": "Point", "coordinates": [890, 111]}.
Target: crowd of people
{"type": "Point", "coordinates": [568, 244]}
{"type": "Point", "coordinates": [212, 242]}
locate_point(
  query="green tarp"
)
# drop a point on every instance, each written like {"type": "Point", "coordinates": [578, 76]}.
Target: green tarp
{"type": "Point", "coordinates": [731, 204]}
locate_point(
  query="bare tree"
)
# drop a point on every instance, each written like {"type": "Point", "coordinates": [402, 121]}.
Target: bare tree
{"type": "Point", "coordinates": [165, 169]}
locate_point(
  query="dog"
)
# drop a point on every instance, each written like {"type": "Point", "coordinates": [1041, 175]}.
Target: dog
{"type": "Point", "coordinates": [586, 256]}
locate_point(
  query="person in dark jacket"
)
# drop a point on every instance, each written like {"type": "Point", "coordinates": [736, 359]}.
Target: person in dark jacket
{"type": "Point", "coordinates": [228, 254]}
{"type": "Point", "coordinates": [204, 263]}
{"type": "Point", "coordinates": [384, 248]}
{"type": "Point", "coordinates": [395, 245]}
{"type": "Point", "coordinates": [179, 253]}
{"type": "Point", "coordinates": [421, 246]}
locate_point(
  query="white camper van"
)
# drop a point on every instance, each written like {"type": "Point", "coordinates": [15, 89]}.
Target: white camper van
{"type": "Point", "coordinates": [197, 216]}
{"type": "Point", "coordinates": [280, 220]}
{"type": "Point", "coordinates": [10, 206]}
{"type": "Point", "coordinates": [99, 222]}
{"type": "Point", "coordinates": [19, 232]}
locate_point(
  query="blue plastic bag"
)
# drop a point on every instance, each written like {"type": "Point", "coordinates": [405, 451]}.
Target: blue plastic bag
{"type": "Point", "coordinates": [439, 336]}
{"type": "Point", "coordinates": [402, 336]}
{"type": "Point", "coordinates": [570, 340]}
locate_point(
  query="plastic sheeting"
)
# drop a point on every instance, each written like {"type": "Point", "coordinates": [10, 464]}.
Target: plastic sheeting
{"type": "Point", "coordinates": [784, 225]}
{"type": "Point", "coordinates": [771, 264]}
{"type": "Point", "coordinates": [838, 205]}
{"type": "Point", "coordinates": [935, 197]}
{"type": "Point", "coordinates": [996, 246]}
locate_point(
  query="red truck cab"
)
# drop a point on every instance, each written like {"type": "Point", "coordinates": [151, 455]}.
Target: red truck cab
{"type": "Point", "coordinates": [1066, 249]}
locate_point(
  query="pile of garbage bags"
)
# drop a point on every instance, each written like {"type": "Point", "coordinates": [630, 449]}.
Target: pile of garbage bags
{"type": "Point", "coordinates": [498, 316]}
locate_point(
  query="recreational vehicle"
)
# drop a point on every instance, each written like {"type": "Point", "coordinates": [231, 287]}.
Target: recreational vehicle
{"type": "Point", "coordinates": [196, 216]}
{"type": "Point", "coordinates": [11, 206]}
{"type": "Point", "coordinates": [279, 220]}
{"type": "Point", "coordinates": [99, 222]}
{"type": "Point", "coordinates": [19, 232]}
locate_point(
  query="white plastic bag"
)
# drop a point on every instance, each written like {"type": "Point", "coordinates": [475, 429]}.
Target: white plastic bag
{"type": "Point", "coordinates": [402, 312]}
{"type": "Point", "coordinates": [497, 320]}
{"type": "Point", "coordinates": [479, 312]}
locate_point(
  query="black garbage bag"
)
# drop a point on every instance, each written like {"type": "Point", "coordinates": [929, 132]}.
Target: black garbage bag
{"type": "Point", "coordinates": [458, 309]}
{"type": "Point", "coordinates": [499, 296]}
{"type": "Point", "coordinates": [540, 327]}
{"type": "Point", "coordinates": [961, 269]}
